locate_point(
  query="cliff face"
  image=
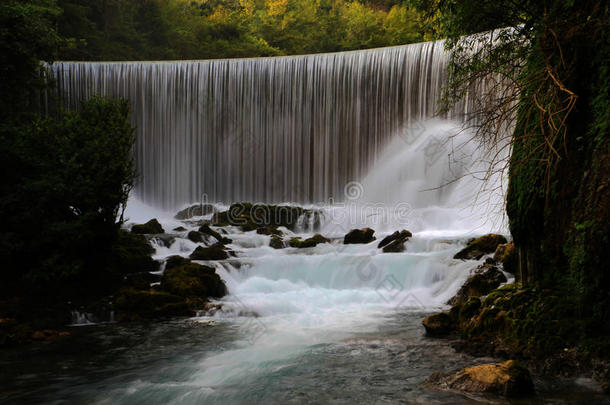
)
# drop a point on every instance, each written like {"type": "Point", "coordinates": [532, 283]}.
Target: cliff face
{"type": "Point", "coordinates": [558, 200]}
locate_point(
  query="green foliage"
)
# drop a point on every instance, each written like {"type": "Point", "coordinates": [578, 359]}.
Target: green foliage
{"type": "Point", "coordinates": [200, 29]}
{"type": "Point", "coordinates": [552, 60]}
{"type": "Point", "coordinates": [67, 178]}
{"type": "Point", "coordinates": [27, 37]}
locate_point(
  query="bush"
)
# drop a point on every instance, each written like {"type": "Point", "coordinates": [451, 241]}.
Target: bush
{"type": "Point", "coordinates": [67, 178]}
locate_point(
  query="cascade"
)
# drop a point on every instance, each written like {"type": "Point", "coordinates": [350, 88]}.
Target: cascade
{"type": "Point", "coordinates": [277, 129]}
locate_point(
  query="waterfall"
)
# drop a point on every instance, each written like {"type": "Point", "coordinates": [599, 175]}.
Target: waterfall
{"type": "Point", "coordinates": [294, 128]}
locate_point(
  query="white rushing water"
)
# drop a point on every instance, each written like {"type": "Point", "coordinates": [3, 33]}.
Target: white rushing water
{"type": "Point", "coordinates": [351, 134]}
{"type": "Point", "coordinates": [295, 128]}
{"type": "Point", "coordinates": [283, 303]}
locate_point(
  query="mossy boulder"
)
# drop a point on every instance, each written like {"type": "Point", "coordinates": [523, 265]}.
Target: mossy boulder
{"type": "Point", "coordinates": [438, 324]}
{"type": "Point", "coordinates": [215, 252]}
{"type": "Point", "coordinates": [469, 309]}
{"type": "Point", "coordinates": [276, 242]}
{"type": "Point", "coordinates": [196, 210]}
{"type": "Point", "coordinates": [356, 236]}
{"type": "Point", "coordinates": [175, 261]}
{"type": "Point", "coordinates": [195, 236]}
{"type": "Point", "coordinates": [192, 280]}
{"type": "Point", "coordinates": [253, 216]}
{"type": "Point", "coordinates": [151, 227]}
{"type": "Point", "coordinates": [509, 379]}
{"type": "Point", "coordinates": [269, 230]}
{"type": "Point", "coordinates": [486, 278]}
{"type": "Point", "coordinates": [309, 242]}
{"type": "Point", "coordinates": [481, 246]}
{"type": "Point", "coordinates": [507, 255]}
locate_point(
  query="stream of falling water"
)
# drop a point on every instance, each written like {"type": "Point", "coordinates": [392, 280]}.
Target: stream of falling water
{"type": "Point", "coordinates": [294, 128]}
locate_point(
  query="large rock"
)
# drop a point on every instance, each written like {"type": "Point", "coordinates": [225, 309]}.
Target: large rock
{"type": "Point", "coordinates": [192, 280]}
{"type": "Point", "coordinates": [253, 216]}
{"type": "Point", "coordinates": [507, 255]}
{"type": "Point", "coordinates": [269, 230]}
{"type": "Point", "coordinates": [485, 279]}
{"type": "Point", "coordinates": [510, 379]}
{"type": "Point", "coordinates": [205, 229]}
{"type": "Point", "coordinates": [438, 324]}
{"type": "Point", "coordinates": [151, 227]}
{"type": "Point", "coordinates": [359, 236]}
{"type": "Point", "coordinates": [196, 210]}
{"type": "Point", "coordinates": [175, 261]}
{"type": "Point", "coordinates": [276, 242]}
{"type": "Point", "coordinates": [309, 242]}
{"type": "Point", "coordinates": [396, 246]}
{"type": "Point", "coordinates": [209, 253]}
{"type": "Point", "coordinates": [481, 246]}
{"type": "Point", "coordinates": [395, 243]}
{"type": "Point", "coordinates": [402, 235]}
{"type": "Point", "coordinates": [195, 236]}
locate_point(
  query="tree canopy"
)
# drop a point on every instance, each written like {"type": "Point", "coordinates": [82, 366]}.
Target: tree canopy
{"type": "Point", "coordinates": [201, 29]}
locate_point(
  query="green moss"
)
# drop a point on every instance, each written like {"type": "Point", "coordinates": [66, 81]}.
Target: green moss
{"type": "Point", "coordinates": [309, 242]}
{"type": "Point", "coordinates": [193, 280]}
{"type": "Point", "coordinates": [480, 246]}
{"type": "Point", "coordinates": [253, 216]}
{"type": "Point", "coordinates": [530, 323]}
{"type": "Point", "coordinates": [209, 253]}
{"type": "Point", "coordinates": [469, 309]}
{"type": "Point", "coordinates": [151, 227]}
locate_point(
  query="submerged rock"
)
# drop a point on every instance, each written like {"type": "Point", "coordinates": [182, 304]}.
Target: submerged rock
{"type": "Point", "coordinates": [151, 227]}
{"type": "Point", "coordinates": [196, 210]}
{"type": "Point", "coordinates": [309, 242]}
{"type": "Point", "coordinates": [481, 246]}
{"type": "Point", "coordinates": [180, 229]}
{"type": "Point", "coordinates": [209, 253]}
{"type": "Point", "coordinates": [438, 324]}
{"type": "Point", "coordinates": [276, 242]}
{"type": "Point", "coordinates": [486, 278]}
{"type": "Point", "coordinates": [510, 379]}
{"type": "Point", "coordinates": [359, 236]}
{"type": "Point", "coordinates": [133, 304]}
